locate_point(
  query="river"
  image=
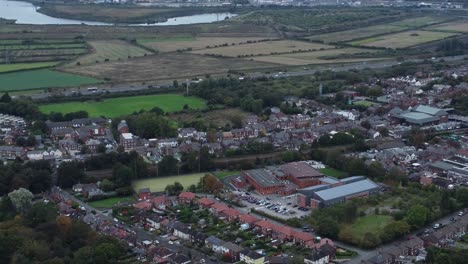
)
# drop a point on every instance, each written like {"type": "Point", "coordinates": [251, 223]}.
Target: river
{"type": "Point", "coordinates": [25, 13]}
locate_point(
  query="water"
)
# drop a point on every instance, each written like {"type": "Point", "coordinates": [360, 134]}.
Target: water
{"type": "Point", "coordinates": [25, 13]}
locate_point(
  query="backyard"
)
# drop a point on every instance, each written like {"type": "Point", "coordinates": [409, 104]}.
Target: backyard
{"type": "Point", "coordinates": [110, 202]}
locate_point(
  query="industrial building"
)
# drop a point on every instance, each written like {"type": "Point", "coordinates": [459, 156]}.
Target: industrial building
{"type": "Point", "coordinates": [420, 115]}
{"type": "Point", "coordinates": [336, 191]}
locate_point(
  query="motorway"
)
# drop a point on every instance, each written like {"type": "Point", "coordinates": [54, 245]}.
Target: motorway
{"type": "Point", "coordinates": [140, 232]}
{"type": "Point", "coordinates": [105, 88]}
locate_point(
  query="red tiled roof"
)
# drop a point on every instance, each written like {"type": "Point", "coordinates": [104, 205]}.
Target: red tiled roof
{"type": "Point", "coordinates": [285, 230]}
{"type": "Point", "coordinates": [246, 218]}
{"type": "Point", "coordinates": [159, 200]}
{"type": "Point", "coordinates": [143, 205]}
{"type": "Point", "coordinates": [219, 207]}
{"type": "Point", "coordinates": [303, 236]}
{"type": "Point", "coordinates": [187, 195]}
{"type": "Point", "coordinates": [264, 224]}
{"type": "Point", "coordinates": [231, 212]}
{"type": "Point", "coordinates": [206, 201]}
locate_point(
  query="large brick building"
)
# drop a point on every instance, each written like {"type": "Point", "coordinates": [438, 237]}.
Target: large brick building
{"type": "Point", "coordinates": [284, 179]}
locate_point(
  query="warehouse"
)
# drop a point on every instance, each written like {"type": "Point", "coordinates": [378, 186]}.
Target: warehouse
{"type": "Point", "coordinates": [326, 194]}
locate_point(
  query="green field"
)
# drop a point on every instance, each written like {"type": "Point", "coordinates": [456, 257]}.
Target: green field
{"type": "Point", "coordinates": [25, 66]}
{"type": "Point", "coordinates": [357, 33]}
{"type": "Point", "coordinates": [35, 79]}
{"type": "Point", "coordinates": [159, 184]}
{"type": "Point", "coordinates": [365, 103]}
{"type": "Point", "coordinates": [110, 202]}
{"type": "Point", "coordinates": [419, 21]}
{"type": "Point", "coordinates": [126, 105]}
{"type": "Point", "coordinates": [403, 39]}
{"type": "Point", "coordinates": [369, 224]}
{"type": "Point", "coordinates": [333, 173]}
{"type": "Point", "coordinates": [111, 51]}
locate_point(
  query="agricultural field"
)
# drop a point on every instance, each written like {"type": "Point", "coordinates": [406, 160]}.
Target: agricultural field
{"type": "Point", "coordinates": [111, 51]}
{"type": "Point", "coordinates": [316, 57]}
{"type": "Point", "coordinates": [357, 33]}
{"type": "Point", "coordinates": [110, 202]}
{"type": "Point", "coordinates": [185, 42]}
{"type": "Point", "coordinates": [419, 21]}
{"type": "Point", "coordinates": [160, 183]}
{"type": "Point", "coordinates": [403, 39]}
{"type": "Point", "coordinates": [264, 48]}
{"type": "Point", "coordinates": [25, 66]}
{"type": "Point", "coordinates": [166, 66]}
{"type": "Point", "coordinates": [457, 26]}
{"type": "Point", "coordinates": [16, 50]}
{"type": "Point", "coordinates": [115, 107]}
{"type": "Point", "coordinates": [43, 78]}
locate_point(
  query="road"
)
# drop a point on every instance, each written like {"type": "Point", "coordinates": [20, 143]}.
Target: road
{"type": "Point", "coordinates": [140, 232]}
{"type": "Point", "coordinates": [105, 88]}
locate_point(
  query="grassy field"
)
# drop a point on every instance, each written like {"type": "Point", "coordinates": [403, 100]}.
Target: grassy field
{"type": "Point", "coordinates": [166, 66]}
{"type": "Point", "coordinates": [159, 184]}
{"type": "Point", "coordinates": [365, 103]}
{"type": "Point", "coordinates": [403, 39]}
{"type": "Point", "coordinates": [35, 79]}
{"type": "Point", "coordinates": [356, 33]}
{"type": "Point", "coordinates": [315, 57]}
{"type": "Point", "coordinates": [458, 26]}
{"type": "Point", "coordinates": [419, 21]}
{"type": "Point", "coordinates": [111, 51]}
{"type": "Point", "coordinates": [369, 224]}
{"type": "Point", "coordinates": [264, 48]}
{"type": "Point", "coordinates": [126, 105]}
{"type": "Point", "coordinates": [185, 42]}
{"type": "Point", "coordinates": [224, 174]}
{"type": "Point", "coordinates": [25, 66]}
{"type": "Point", "coordinates": [110, 202]}
{"type": "Point", "coordinates": [333, 173]}
{"type": "Point", "coordinates": [217, 118]}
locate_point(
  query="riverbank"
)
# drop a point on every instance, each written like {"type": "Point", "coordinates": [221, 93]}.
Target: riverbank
{"type": "Point", "coordinates": [125, 14]}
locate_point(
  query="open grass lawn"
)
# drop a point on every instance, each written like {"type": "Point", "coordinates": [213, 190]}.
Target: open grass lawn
{"type": "Point", "coordinates": [110, 202]}
{"type": "Point", "coordinates": [369, 224]}
{"type": "Point", "coordinates": [112, 51]}
{"type": "Point", "coordinates": [126, 105]}
{"type": "Point", "coordinates": [333, 173]}
{"type": "Point", "coordinates": [160, 183]}
{"type": "Point", "coordinates": [25, 66]}
{"type": "Point", "coordinates": [356, 33]}
{"type": "Point", "coordinates": [403, 39]}
{"type": "Point", "coordinates": [265, 48]}
{"type": "Point", "coordinates": [195, 43]}
{"type": "Point", "coordinates": [35, 79]}
{"type": "Point", "coordinates": [316, 57]}
{"type": "Point", "coordinates": [224, 174]}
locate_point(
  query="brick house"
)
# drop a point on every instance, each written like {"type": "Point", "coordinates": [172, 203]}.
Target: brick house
{"type": "Point", "coordinates": [206, 202]}
{"type": "Point", "coordinates": [186, 197]}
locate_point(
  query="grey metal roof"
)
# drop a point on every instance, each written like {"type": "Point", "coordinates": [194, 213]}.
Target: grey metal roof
{"type": "Point", "coordinates": [442, 165]}
{"type": "Point", "coordinates": [419, 118]}
{"type": "Point", "coordinates": [352, 179]}
{"type": "Point", "coordinates": [263, 177]}
{"type": "Point", "coordinates": [329, 180]}
{"type": "Point", "coordinates": [429, 110]}
{"type": "Point", "coordinates": [347, 189]}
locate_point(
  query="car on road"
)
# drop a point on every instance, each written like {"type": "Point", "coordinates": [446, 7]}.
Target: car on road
{"type": "Point", "coordinates": [460, 213]}
{"type": "Point", "coordinates": [170, 242]}
{"type": "Point", "coordinates": [437, 226]}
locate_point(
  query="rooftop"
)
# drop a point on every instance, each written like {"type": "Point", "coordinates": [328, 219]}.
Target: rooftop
{"type": "Point", "coordinates": [347, 189]}
{"type": "Point", "coordinates": [300, 170]}
{"type": "Point", "coordinates": [263, 177]}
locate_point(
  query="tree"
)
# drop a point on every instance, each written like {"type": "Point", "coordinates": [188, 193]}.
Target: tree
{"type": "Point", "coordinates": [375, 170]}
{"type": "Point", "coordinates": [5, 98]}
{"type": "Point", "coordinates": [369, 240]}
{"type": "Point", "coordinates": [122, 175]}
{"type": "Point", "coordinates": [417, 216]}
{"type": "Point", "coordinates": [101, 148]}
{"type": "Point", "coordinates": [84, 255]}
{"type": "Point", "coordinates": [107, 253]}
{"type": "Point", "coordinates": [21, 199]}
{"type": "Point", "coordinates": [174, 189]}
{"type": "Point", "coordinates": [350, 212]}
{"type": "Point", "coordinates": [40, 213]}
{"type": "Point", "coordinates": [168, 165]}
{"type": "Point", "coordinates": [356, 166]}
{"type": "Point", "coordinates": [107, 185]}
{"type": "Point", "coordinates": [393, 230]}
{"type": "Point", "coordinates": [175, 84]}
{"type": "Point", "coordinates": [328, 227]}
{"type": "Point", "coordinates": [211, 184]}
{"type": "Point", "coordinates": [69, 173]}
